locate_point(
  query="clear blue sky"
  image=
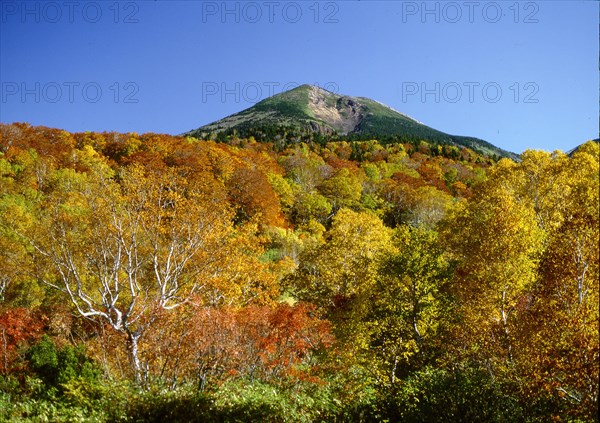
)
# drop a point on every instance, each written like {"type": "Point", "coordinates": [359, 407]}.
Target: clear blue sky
{"type": "Point", "coordinates": [519, 75]}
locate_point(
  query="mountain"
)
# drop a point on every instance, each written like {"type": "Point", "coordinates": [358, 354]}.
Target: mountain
{"type": "Point", "coordinates": [310, 112]}
{"type": "Point", "coordinates": [573, 150]}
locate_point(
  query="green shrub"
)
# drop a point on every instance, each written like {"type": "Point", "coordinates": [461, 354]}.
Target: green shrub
{"type": "Point", "coordinates": [56, 367]}
{"type": "Point", "coordinates": [62, 386]}
{"type": "Point", "coordinates": [235, 401]}
{"type": "Point", "coordinates": [437, 395]}
{"type": "Point", "coordinates": [182, 405]}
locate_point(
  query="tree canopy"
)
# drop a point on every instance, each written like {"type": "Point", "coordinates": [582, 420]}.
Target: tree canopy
{"type": "Point", "coordinates": [152, 278]}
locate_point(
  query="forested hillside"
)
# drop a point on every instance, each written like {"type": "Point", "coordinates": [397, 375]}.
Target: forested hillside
{"type": "Point", "coordinates": [312, 114]}
{"type": "Point", "coordinates": [160, 278]}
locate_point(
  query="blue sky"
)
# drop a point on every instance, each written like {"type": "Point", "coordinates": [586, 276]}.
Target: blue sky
{"type": "Point", "coordinates": [518, 74]}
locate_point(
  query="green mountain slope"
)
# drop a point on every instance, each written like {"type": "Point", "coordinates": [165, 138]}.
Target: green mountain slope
{"type": "Point", "coordinates": [312, 112]}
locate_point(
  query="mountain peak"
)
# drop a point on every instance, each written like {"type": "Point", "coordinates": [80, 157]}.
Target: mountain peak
{"type": "Point", "coordinates": [311, 87]}
{"type": "Point", "coordinates": [311, 112]}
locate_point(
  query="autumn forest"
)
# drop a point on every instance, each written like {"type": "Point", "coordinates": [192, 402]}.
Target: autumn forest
{"type": "Point", "coordinates": [163, 278]}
